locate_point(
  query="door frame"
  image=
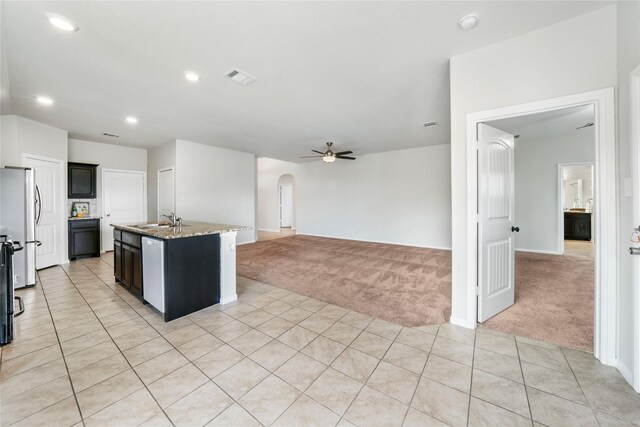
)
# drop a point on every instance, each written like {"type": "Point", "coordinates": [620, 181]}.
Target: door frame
{"type": "Point", "coordinates": [63, 256]}
{"type": "Point", "coordinates": [561, 195]}
{"type": "Point", "coordinates": [173, 188]}
{"type": "Point", "coordinates": [104, 223]}
{"type": "Point", "coordinates": [280, 200]}
{"type": "Point", "coordinates": [606, 276]}
{"type": "Point", "coordinates": [635, 170]}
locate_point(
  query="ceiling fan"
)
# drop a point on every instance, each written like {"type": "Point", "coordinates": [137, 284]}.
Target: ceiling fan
{"type": "Point", "coordinates": [329, 156]}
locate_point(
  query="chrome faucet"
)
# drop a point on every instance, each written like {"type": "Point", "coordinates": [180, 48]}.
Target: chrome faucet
{"type": "Point", "coordinates": [175, 221]}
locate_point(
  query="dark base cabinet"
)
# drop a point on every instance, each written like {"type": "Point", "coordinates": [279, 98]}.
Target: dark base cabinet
{"type": "Point", "coordinates": [84, 238]}
{"type": "Point", "coordinates": [127, 260]}
{"type": "Point", "coordinates": [191, 270]}
{"type": "Point", "coordinates": [577, 226]}
{"type": "Point", "coordinates": [192, 275]}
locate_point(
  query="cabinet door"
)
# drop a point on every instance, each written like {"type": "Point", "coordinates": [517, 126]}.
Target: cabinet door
{"type": "Point", "coordinates": [582, 229]}
{"type": "Point", "coordinates": [136, 271]}
{"type": "Point", "coordinates": [81, 181]}
{"type": "Point", "coordinates": [84, 241]}
{"type": "Point", "coordinates": [127, 262]}
{"type": "Point", "coordinates": [117, 260]}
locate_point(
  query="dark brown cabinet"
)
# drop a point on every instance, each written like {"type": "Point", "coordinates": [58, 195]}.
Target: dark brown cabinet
{"type": "Point", "coordinates": [577, 226]}
{"type": "Point", "coordinates": [127, 253]}
{"type": "Point", "coordinates": [84, 238]}
{"type": "Point", "coordinates": [81, 180]}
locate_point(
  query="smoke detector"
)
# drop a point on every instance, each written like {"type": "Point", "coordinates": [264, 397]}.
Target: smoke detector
{"type": "Point", "coordinates": [430, 124]}
{"type": "Point", "coordinates": [240, 77]}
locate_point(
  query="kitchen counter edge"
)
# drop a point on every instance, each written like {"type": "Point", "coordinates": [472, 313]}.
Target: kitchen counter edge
{"type": "Point", "coordinates": [189, 229]}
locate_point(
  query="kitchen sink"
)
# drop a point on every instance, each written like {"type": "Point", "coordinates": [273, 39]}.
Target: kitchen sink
{"type": "Point", "coordinates": [146, 226]}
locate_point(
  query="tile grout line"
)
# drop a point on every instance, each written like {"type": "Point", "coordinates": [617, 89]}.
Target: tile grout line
{"type": "Point", "coordinates": [420, 375]}
{"type": "Point", "coordinates": [121, 353]}
{"type": "Point", "coordinates": [524, 380]}
{"type": "Point", "coordinates": [73, 390]}
{"type": "Point", "coordinates": [580, 386]}
{"type": "Point", "coordinates": [473, 362]}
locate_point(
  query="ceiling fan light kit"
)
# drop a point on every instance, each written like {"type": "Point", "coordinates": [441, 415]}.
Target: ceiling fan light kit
{"type": "Point", "coordinates": [329, 156]}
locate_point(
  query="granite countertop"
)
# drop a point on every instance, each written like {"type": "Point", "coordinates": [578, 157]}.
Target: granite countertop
{"type": "Point", "coordinates": [75, 218]}
{"type": "Point", "coordinates": [188, 229]}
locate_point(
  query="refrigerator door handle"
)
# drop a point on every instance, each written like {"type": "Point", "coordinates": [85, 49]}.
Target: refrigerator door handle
{"type": "Point", "coordinates": [39, 203]}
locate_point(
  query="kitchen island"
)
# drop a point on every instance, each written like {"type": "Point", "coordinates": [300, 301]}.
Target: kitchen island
{"type": "Point", "coordinates": [178, 269]}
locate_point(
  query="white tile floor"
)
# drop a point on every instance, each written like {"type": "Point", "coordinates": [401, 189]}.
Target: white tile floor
{"type": "Point", "coordinates": [87, 352]}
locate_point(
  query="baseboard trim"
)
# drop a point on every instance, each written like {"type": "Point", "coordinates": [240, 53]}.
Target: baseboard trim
{"type": "Point", "coordinates": [462, 322]}
{"type": "Point", "coordinates": [230, 298]}
{"type": "Point", "coordinates": [301, 233]}
{"type": "Point", "coordinates": [625, 371]}
{"type": "Point", "coordinates": [269, 230]}
{"type": "Point", "coordinates": [537, 251]}
{"type": "Point", "coordinates": [247, 243]}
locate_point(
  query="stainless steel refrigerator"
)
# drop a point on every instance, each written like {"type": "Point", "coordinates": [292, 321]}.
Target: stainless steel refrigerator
{"type": "Point", "coordinates": [19, 206]}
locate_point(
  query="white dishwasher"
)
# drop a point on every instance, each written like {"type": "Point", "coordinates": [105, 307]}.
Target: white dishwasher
{"type": "Point", "coordinates": [153, 272]}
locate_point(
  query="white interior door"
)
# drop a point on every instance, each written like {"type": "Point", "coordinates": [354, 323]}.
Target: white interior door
{"type": "Point", "coordinates": [286, 205]}
{"type": "Point", "coordinates": [635, 168]}
{"type": "Point", "coordinates": [166, 192]}
{"type": "Point", "coordinates": [50, 210]}
{"type": "Point", "coordinates": [124, 194]}
{"type": "Point", "coordinates": [496, 207]}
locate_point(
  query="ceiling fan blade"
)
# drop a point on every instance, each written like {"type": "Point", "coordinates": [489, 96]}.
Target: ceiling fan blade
{"type": "Point", "coordinates": [308, 157]}
{"type": "Point", "coordinates": [342, 153]}
{"type": "Point", "coordinates": [319, 152]}
{"type": "Point", "coordinates": [345, 157]}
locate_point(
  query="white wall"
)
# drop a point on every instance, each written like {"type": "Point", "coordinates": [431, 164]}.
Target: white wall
{"type": "Point", "coordinates": [570, 57]}
{"type": "Point", "coordinates": [216, 185]}
{"type": "Point", "coordinates": [400, 197]}
{"type": "Point", "coordinates": [157, 158]}
{"type": "Point", "coordinates": [536, 181]}
{"type": "Point", "coordinates": [107, 156]}
{"type": "Point", "coordinates": [628, 56]}
{"type": "Point", "coordinates": [19, 136]}
{"type": "Point", "coordinates": [23, 136]}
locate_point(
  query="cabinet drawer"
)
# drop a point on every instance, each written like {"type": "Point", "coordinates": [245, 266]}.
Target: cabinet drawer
{"type": "Point", "coordinates": [132, 239]}
{"type": "Point", "coordinates": [84, 223]}
{"type": "Point", "coordinates": [117, 235]}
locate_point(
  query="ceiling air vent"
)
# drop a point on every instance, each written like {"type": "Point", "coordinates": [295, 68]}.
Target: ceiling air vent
{"type": "Point", "coordinates": [112, 135]}
{"type": "Point", "coordinates": [430, 124]}
{"type": "Point", "coordinates": [240, 77]}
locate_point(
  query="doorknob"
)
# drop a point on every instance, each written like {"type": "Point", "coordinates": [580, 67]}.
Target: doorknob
{"type": "Point", "coordinates": [634, 251]}
{"type": "Point", "coordinates": [516, 229]}
{"type": "Point", "coordinates": [108, 214]}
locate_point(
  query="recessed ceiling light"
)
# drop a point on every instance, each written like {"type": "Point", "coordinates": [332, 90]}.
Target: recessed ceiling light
{"type": "Point", "coordinates": [469, 21]}
{"type": "Point", "coordinates": [191, 76]}
{"type": "Point", "coordinates": [132, 120]}
{"type": "Point", "coordinates": [61, 22]}
{"type": "Point", "coordinates": [44, 100]}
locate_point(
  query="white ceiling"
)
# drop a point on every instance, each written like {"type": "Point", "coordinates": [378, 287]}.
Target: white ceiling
{"type": "Point", "coordinates": [365, 75]}
{"type": "Point", "coordinates": [542, 125]}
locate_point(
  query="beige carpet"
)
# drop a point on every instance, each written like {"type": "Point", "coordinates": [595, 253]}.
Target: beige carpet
{"type": "Point", "coordinates": [412, 286]}
{"type": "Point", "coordinates": [554, 300]}
{"type": "Point", "coordinates": [406, 285]}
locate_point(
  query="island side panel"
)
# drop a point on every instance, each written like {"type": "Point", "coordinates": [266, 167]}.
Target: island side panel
{"type": "Point", "coordinates": [228, 267]}
{"type": "Point", "coordinates": [192, 275]}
